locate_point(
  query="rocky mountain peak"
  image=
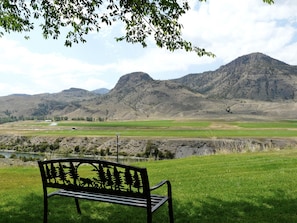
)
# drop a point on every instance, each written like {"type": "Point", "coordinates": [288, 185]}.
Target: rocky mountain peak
{"type": "Point", "coordinates": [132, 79]}
{"type": "Point", "coordinates": [251, 61]}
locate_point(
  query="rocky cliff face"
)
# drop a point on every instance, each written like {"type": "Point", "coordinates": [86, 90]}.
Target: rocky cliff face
{"type": "Point", "coordinates": [254, 76]}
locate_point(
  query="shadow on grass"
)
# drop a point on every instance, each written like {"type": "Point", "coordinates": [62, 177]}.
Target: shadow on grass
{"type": "Point", "coordinates": [30, 209]}
{"type": "Point", "coordinates": [274, 209]}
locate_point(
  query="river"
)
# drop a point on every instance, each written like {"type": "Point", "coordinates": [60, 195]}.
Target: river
{"type": "Point", "coordinates": [9, 154]}
{"type": "Point", "coordinates": [122, 159]}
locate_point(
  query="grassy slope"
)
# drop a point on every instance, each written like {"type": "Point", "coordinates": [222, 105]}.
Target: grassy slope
{"type": "Point", "coordinates": [236, 188]}
{"type": "Point", "coordinates": [251, 187]}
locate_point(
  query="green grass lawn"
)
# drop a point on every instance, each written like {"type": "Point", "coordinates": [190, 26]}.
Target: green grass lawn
{"type": "Point", "coordinates": [252, 187]}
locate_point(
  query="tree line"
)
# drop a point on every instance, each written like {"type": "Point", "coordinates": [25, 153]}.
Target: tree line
{"type": "Point", "coordinates": [49, 119]}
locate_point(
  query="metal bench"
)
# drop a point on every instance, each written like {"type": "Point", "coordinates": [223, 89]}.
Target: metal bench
{"type": "Point", "coordinates": [103, 181]}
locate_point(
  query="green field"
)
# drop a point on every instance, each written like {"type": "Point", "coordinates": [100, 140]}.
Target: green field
{"type": "Point", "coordinates": [160, 128]}
{"type": "Point", "coordinates": [252, 187]}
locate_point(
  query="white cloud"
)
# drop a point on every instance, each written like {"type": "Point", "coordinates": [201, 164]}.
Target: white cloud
{"type": "Point", "coordinates": [231, 28]}
{"type": "Point", "coordinates": [158, 62]}
{"type": "Point", "coordinates": [29, 72]}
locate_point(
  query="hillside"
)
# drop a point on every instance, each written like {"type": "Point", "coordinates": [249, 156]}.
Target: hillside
{"type": "Point", "coordinates": [42, 105]}
{"type": "Point", "coordinates": [254, 76]}
{"type": "Point", "coordinates": [253, 86]}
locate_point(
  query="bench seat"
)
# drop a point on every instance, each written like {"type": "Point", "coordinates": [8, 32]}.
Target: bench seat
{"type": "Point", "coordinates": [157, 200]}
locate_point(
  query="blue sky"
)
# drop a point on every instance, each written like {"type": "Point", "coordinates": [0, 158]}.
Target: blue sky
{"type": "Point", "coordinates": [228, 28]}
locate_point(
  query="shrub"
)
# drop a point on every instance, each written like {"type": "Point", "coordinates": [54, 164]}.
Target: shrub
{"type": "Point", "coordinates": [13, 156]}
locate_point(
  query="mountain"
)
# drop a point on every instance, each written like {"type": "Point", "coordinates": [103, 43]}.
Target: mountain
{"type": "Point", "coordinates": [101, 91]}
{"type": "Point", "coordinates": [43, 105]}
{"type": "Point", "coordinates": [137, 95]}
{"type": "Point", "coordinates": [255, 76]}
{"type": "Point", "coordinates": [249, 87]}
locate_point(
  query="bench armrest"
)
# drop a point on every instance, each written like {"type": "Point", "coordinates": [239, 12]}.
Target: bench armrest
{"type": "Point", "coordinates": [161, 184]}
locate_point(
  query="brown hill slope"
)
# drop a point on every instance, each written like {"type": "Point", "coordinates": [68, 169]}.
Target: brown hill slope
{"type": "Point", "coordinates": [137, 95]}
{"type": "Point", "coordinates": [254, 76]}
{"type": "Point", "coordinates": [41, 105]}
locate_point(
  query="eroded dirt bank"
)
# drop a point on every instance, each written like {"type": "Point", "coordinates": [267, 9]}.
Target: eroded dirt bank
{"type": "Point", "coordinates": [160, 148]}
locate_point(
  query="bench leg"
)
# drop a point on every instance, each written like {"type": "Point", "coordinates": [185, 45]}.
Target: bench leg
{"type": "Point", "coordinates": [77, 206]}
{"type": "Point", "coordinates": [170, 210]}
{"type": "Point", "coordinates": [45, 209]}
{"type": "Point", "coordinates": [149, 216]}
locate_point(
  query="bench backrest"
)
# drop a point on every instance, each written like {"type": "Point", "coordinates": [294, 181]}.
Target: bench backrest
{"type": "Point", "coordinates": [97, 176]}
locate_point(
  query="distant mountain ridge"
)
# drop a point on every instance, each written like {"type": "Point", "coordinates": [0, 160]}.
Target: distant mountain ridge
{"type": "Point", "coordinates": [253, 85]}
{"type": "Point", "coordinates": [101, 91]}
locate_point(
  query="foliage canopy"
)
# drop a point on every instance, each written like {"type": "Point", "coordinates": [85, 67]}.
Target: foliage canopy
{"type": "Point", "coordinates": [142, 18]}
